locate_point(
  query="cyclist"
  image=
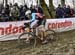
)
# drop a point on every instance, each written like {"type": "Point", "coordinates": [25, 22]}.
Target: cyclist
{"type": "Point", "coordinates": [36, 20]}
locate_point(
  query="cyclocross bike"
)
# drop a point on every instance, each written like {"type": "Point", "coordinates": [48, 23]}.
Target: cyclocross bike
{"type": "Point", "coordinates": [33, 36]}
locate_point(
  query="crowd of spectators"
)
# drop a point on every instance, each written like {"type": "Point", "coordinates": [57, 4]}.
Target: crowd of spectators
{"type": "Point", "coordinates": [64, 11]}
{"type": "Point", "coordinates": [14, 12]}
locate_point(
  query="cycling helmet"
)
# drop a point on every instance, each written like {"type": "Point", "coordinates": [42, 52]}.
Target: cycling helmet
{"type": "Point", "coordinates": [28, 12]}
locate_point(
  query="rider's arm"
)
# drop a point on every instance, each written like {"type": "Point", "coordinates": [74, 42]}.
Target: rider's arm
{"type": "Point", "coordinates": [39, 15]}
{"type": "Point", "coordinates": [33, 17]}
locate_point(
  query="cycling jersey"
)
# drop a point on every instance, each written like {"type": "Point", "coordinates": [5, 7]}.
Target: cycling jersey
{"type": "Point", "coordinates": [33, 17]}
{"type": "Point", "coordinates": [36, 16]}
{"type": "Point", "coordinates": [36, 19]}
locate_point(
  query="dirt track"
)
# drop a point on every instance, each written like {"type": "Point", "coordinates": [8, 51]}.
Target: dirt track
{"type": "Point", "coordinates": [64, 45]}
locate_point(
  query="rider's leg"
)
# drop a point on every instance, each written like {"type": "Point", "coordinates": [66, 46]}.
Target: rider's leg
{"type": "Point", "coordinates": [33, 24]}
{"type": "Point", "coordinates": [45, 38]}
{"type": "Point", "coordinates": [42, 35]}
{"type": "Point", "coordinates": [39, 30]}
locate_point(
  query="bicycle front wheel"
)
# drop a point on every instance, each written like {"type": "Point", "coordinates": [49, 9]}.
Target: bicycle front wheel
{"type": "Point", "coordinates": [22, 39]}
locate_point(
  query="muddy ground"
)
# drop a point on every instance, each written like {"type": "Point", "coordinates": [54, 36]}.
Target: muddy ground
{"type": "Point", "coordinates": [64, 45]}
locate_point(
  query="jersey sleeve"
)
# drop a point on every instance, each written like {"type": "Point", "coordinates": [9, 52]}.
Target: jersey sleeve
{"type": "Point", "coordinates": [33, 17]}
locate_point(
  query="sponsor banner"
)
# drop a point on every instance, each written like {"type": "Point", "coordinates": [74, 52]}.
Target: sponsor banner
{"type": "Point", "coordinates": [60, 25]}
{"type": "Point", "coordinates": [11, 30]}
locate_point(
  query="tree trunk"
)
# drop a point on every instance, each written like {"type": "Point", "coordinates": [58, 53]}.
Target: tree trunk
{"type": "Point", "coordinates": [62, 2]}
{"type": "Point", "coordinates": [51, 8]}
{"type": "Point", "coordinates": [6, 1]}
{"type": "Point", "coordinates": [44, 8]}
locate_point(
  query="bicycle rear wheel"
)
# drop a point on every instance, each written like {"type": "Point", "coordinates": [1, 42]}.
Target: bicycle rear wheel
{"type": "Point", "coordinates": [23, 36]}
{"type": "Point", "coordinates": [50, 34]}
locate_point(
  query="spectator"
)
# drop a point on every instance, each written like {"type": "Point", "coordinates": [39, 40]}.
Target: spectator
{"type": "Point", "coordinates": [64, 9]}
{"type": "Point", "coordinates": [1, 8]}
{"type": "Point", "coordinates": [22, 13]}
{"type": "Point", "coordinates": [14, 12]}
{"type": "Point", "coordinates": [26, 7]}
{"type": "Point", "coordinates": [16, 5]}
{"type": "Point", "coordinates": [20, 10]}
{"type": "Point", "coordinates": [7, 11]}
{"type": "Point", "coordinates": [33, 9]}
{"type": "Point", "coordinates": [72, 12]}
{"type": "Point", "coordinates": [59, 12]}
{"type": "Point", "coordinates": [10, 6]}
{"type": "Point", "coordinates": [68, 12]}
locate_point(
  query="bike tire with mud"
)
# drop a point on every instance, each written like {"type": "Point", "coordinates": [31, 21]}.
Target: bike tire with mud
{"type": "Point", "coordinates": [21, 39]}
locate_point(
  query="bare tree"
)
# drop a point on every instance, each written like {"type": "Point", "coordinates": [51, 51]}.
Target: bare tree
{"type": "Point", "coordinates": [48, 11]}
{"type": "Point", "coordinates": [44, 8]}
{"type": "Point", "coordinates": [63, 2]}
{"type": "Point", "coordinates": [51, 8]}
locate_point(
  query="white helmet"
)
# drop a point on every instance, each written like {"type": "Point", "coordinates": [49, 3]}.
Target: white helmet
{"type": "Point", "coordinates": [28, 12]}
